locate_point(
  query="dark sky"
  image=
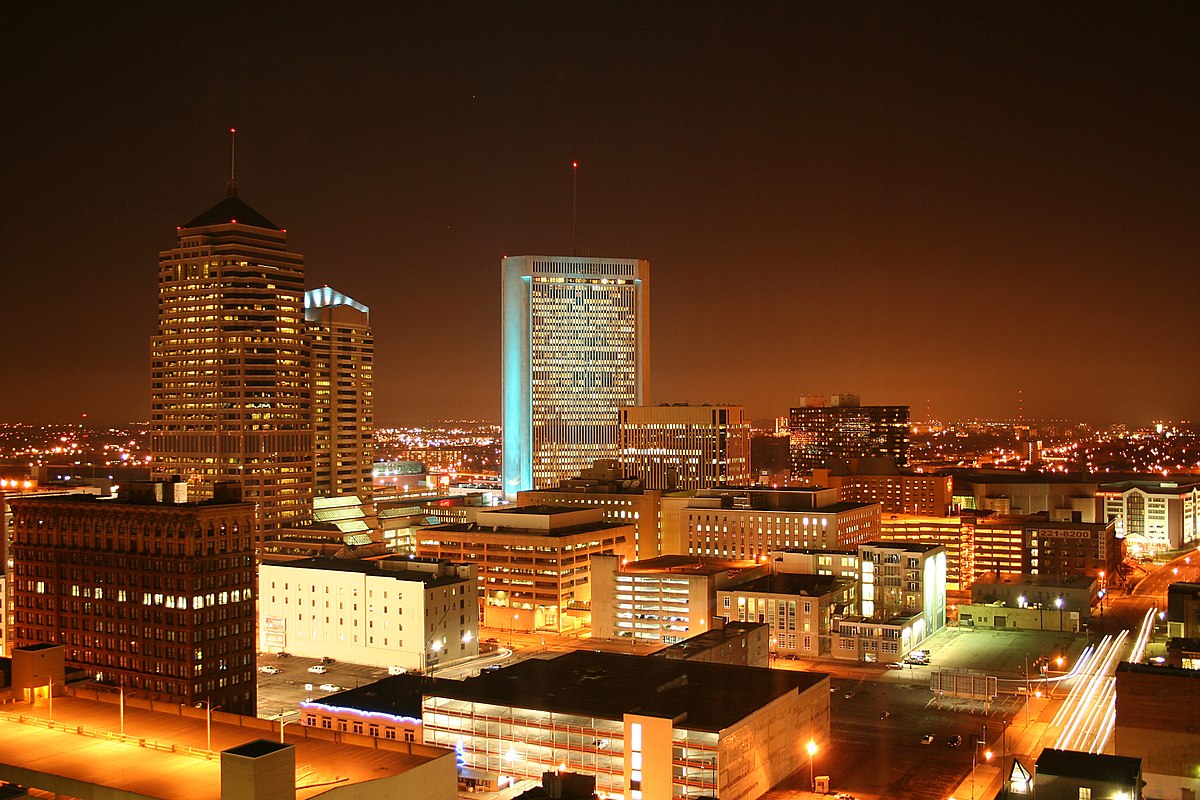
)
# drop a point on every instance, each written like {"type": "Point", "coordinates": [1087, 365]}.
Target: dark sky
{"type": "Point", "coordinates": [919, 203]}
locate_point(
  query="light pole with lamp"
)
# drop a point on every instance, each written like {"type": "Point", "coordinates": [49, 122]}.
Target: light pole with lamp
{"type": "Point", "coordinates": [122, 688]}
{"type": "Point", "coordinates": [811, 747]}
{"type": "Point", "coordinates": [436, 647]}
{"type": "Point", "coordinates": [512, 628]}
{"type": "Point", "coordinates": [283, 722]}
{"type": "Point", "coordinates": [208, 709]}
{"type": "Point", "coordinates": [1058, 603]}
{"type": "Point", "coordinates": [987, 756]}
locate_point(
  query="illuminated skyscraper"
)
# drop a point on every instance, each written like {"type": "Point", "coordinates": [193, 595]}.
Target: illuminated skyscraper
{"type": "Point", "coordinates": [574, 349]}
{"type": "Point", "coordinates": [686, 447]}
{"type": "Point", "coordinates": [230, 363]}
{"type": "Point", "coordinates": [343, 355]}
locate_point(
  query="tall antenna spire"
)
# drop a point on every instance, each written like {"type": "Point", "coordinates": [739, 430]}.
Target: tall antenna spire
{"type": "Point", "coordinates": [574, 208]}
{"type": "Point", "coordinates": [231, 188]}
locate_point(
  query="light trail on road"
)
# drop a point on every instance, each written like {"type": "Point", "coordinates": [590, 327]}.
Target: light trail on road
{"type": "Point", "coordinates": [1088, 714]}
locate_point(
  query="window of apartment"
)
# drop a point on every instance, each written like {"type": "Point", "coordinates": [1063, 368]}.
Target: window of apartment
{"type": "Point", "coordinates": [1085, 793]}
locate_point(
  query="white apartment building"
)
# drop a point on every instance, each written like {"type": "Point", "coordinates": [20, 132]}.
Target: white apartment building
{"type": "Point", "coordinates": [388, 611]}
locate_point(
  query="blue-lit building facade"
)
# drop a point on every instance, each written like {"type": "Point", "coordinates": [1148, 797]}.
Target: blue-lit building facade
{"type": "Point", "coordinates": [573, 351]}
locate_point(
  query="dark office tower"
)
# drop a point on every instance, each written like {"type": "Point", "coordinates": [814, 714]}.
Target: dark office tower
{"type": "Point", "coordinates": [150, 592]}
{"type": "Point", "coordinates": [343, 359]}
{"type": "Point", "coordinates": [230, 363]}
{"type": "Point", "coordinates": [574, 341]}
{"type": "Point", "coordinates": [838, 427]}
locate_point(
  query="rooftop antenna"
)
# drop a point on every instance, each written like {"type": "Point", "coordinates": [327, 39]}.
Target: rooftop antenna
{"type": "Point", "coordinates": [232, 188]}
{"type": "Point", "coordinates": [574, 208]}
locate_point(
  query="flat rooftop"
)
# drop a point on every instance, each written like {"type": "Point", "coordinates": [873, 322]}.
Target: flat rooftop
{"type": "Point", "coordinates": [397, 696]}
{"type": "Point", "coordinates": [707, 697]}
{"type": "Point", "coordinates": [690, 565]}
{"type": "Point", "coordinates": [792, 584]}
{"type": "Point", "coordinates": [159, 773]}
{"type": "Point", "coordinates": [489, 530]}
{"type": "Point", "coordinates": [383, 568]}
{"type": "Point", "coordinates": [703, 642]}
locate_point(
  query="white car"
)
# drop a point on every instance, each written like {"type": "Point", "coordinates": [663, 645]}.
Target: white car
{"type": "Point", "coordinates": [268, 669]}
{"type": "Point", "coordinates": [330, 687]}
{"type": "Point", "coordinates": [317, 669]}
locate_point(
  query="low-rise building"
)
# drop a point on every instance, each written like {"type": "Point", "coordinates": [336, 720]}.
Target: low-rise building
{"type": "Point", "coordinates": [386, 611]}
{"type": "Point", "coordinates": [1035, 602]}
{"type": "Point", "coordinates": [660, 600]}
{"type": "Point", "coordinates": [949, 532]}
{"type": "Point", "coordinates": [1155, 723]}
{"type": "Point", "coordinates": [743, 644]}
{"type": "Point", "coordinates": [648, 727]}
{"type": "Point", "coordinates": [799, 609]}
{"type": "Point", "coordinates": [1075, 775]}
{"type": "Point", "coordinates": [534, 562]}
{"type": "Point", "coordinates": [1183, 610]}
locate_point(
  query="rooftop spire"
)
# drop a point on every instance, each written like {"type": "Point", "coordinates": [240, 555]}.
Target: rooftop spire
{"type": "Point", "coordinates": [231, 188]}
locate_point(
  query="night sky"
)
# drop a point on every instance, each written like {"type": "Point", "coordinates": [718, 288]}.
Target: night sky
{"type": "Point", "coordinates": [934, 205]}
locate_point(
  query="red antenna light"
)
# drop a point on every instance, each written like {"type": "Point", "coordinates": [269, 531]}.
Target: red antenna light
{"type": "Point", "coordinates": [233, 130]}
{"type": "Point", "coordinates": [574, 165]}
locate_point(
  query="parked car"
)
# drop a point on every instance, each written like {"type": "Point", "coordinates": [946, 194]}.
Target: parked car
{"type": "Point", "coordinates": [954, 741]}
{"type": "Point", "coordinates": [330, 687]}
{"type": "Point", "coordinates": [395, 670]}
{"type": "Point", "coordinates": [326, 660]}
{"type": "Point", "coordinates": [927, 738]}
{"type": "Point", "coordinates": [317, 669]}
{"type": "Point", "coordinates": [848, 695]}
{"type": "Point", "coordinates": [894, 665]}
{"type": "Point", "coordinates": [283, 654]}
{"type": "Point", "coordinates": [268, 669]}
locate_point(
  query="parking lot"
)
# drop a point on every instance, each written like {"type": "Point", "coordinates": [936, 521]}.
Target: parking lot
{"type": "Point", "coordinates": [881, 716]}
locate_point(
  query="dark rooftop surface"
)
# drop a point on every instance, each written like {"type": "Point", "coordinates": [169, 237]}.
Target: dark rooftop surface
{"type": "Point", "coordinates": [501, 530]}
{"type": "Point", "coordinates": [909, 547]}
{"type": "Point", "coordinates": [396, 696]}
{"type": "Point", "coordinates": [385, 569]}
{"type": "Point", "coordinates": [690, 565]}
{"type": "Point", "coordinates": [791, 583]}
{"type": "Point", "coordinates": [1093, 766]}
{"type": "Point", "coordinates": [708, 697]}
{"type": "Point", "coordinates": [232, 209]}
{"type": "Point", "coordinates": [542, 510]}
{"type": "Point", "coordinates": [258, 748]}
{"type": "Point", "coordinates": [703, 642]}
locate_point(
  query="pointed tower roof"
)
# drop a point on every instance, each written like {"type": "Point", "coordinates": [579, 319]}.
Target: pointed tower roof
{"type": "Point", "coordinates": [232, 209]}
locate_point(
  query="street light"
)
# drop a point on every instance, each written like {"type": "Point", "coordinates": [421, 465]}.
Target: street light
{"type": "Point", "coordinates": [208, 709]}
{"type": "Point", "coordinates": [811, 747]}
{"type": "Point", "coordinates": [1059, 604]}
{"type": "Point", "coordinates": [283, 722]}
{"type": "Point", "coordinates": [122, 688]}
{"type": "Point", "coordinates": [512, 628]}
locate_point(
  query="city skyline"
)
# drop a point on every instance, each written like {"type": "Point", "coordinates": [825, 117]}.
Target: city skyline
{"type": "Point", "coordinates": [943, 210]}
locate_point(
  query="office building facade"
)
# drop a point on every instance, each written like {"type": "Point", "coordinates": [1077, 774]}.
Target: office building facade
{"type": "Point", "coordinates": [673, 447]}
{"type": "Point", "coordinates": [879, 480]}
{"type": "Point", "coordinates": [824, 429]}
{"type": "Point", "coordinates": [230, 363]}
{"type": "Point", "coordinates": [415, 614]}
{"type": "Point", "coordinates": [343, 402]}
{"type": "Point", "coordinates": [574, 343]}
{"type": "Point", "coordinates": [150, 592]}
{"type": "Point", "coordinates": [1152, 516]}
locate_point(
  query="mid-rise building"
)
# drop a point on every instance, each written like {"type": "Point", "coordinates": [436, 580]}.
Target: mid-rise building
{"type": "Point", "coordinates": [534, 562]}
{"type": "Point", "coordinates": [837, 427]}
{"type": "Point", "coordinates": [898, 491]}
{"type": "Point", "coordinates": [649, 727]}
{"type": "Point", "coordinates": [673, 447]}
{"type": "Point", "coordinates": [807, 561]}
{"type": "Point", "coordinates": [1066, 549]}
{"type": "Point", "coordinates": [902, 600]}
{"type": "Point", "coordinates": [620, 496]}
{"type": "Point", "coordinates": [1006, 491]}
{"type": "Point", "coordinates": [1183, 610]}
{"type": "Point", "coordinates": [230, 363]}
{"type": "Point", "coordinates": [998, 545]}
{"type": "Point", "coordinates": [343, 402]}
{"type": "Point", "coordinates": [1078, 775]}
{"type": "Point", "coordinates": [575, 332]}
{"type": "Point", "coordinates": [748, 523]}
{"type": "Point", "coordinates": [1152, 516]}
{"type": "Point", "coordinates": [660, 600]}
{"type": "Point", "coordinates": [390, 611]}
{"type": "Point", "coordinates": [150, 591]}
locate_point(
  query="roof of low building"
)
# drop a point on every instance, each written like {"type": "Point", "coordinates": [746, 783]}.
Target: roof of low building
{"type": "Point", "coordinates": [1093, 766]}
{"type": "Point", "coordinates": [792, 584]}
{"type": "Point", "coordinates": [698, 696]}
